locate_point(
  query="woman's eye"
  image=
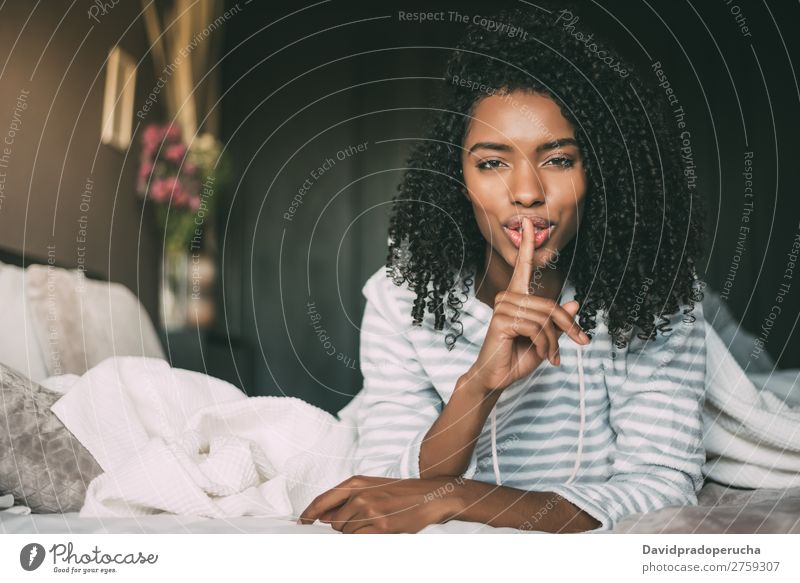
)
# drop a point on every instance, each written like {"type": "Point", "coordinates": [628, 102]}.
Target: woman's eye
{"type": "Point", "coordinates": [562, 161]}
{"type": "Point", "coordinates": [489, 164]}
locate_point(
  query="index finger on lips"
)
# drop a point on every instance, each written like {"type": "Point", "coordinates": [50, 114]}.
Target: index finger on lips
{"type": "Point", "coordinates": [521, 278]}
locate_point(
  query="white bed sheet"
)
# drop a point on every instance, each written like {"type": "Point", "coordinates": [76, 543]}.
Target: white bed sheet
{"type": "Point", "coordinates": [71, 523]}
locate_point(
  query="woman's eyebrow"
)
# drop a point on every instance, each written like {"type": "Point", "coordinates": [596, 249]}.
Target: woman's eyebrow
{"type": "Point", "coordinates": [500, 147]}
{"type": "Point", "coordinates": [558, 143]}
{"type": "Point", "coordinates": [490, 146]}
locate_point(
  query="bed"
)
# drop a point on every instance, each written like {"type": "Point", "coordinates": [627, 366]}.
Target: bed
{"type": "Point", "coordinates": [720, 509]}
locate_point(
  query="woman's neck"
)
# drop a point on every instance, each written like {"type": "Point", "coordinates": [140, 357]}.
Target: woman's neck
{"type": "Point", "coordinates": [546, 282]}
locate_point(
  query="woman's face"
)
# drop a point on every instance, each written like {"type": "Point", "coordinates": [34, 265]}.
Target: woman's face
{"type": "Point", "coordinates": [520, 159]}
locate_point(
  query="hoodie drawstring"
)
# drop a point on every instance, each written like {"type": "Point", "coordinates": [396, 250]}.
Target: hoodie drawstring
{"type": "Point", "coordinates": [580, 434]}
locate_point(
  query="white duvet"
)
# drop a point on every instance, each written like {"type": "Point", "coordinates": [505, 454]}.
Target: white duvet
{"type": "Point", "coordinates": [176, 441]}
{"type": "Point", "coordinates": [181, 442]}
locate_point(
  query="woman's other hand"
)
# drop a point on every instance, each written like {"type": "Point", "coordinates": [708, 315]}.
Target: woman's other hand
{"type": "Point", "coordinates": [367, 504]}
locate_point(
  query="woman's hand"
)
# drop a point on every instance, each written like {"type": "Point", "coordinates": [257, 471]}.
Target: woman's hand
{"type": "Point", "coordinates": [366, 504]}
{"type": "Point", "coordinates": [524, 329]}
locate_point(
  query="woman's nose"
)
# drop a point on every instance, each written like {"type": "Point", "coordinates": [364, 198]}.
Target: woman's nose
{"type": "Point", "coordinates": [527, 188]}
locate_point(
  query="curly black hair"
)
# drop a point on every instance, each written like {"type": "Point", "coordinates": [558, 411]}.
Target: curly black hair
{"type": "Point", "coordinates": [635, 251]}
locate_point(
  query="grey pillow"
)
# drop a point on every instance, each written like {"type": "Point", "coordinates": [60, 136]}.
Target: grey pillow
{"type": "Point", "coordinates": [41, 463]}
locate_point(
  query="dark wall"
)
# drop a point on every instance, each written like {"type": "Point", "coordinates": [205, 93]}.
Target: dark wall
{"type": "Point", "coordinates": [55, 53]}
{"type": "Point", "coordinates": [302, 87]}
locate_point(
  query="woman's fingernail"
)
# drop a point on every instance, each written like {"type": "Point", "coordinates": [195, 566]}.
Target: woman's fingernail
{"type": "Point", "coordinates": [585, 337]}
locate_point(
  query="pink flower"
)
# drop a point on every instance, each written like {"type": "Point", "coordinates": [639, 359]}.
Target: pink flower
{"type": "Point", "coordinates": [147, 153]}
{"type": "Point", "coordinates": [144, 172]}
{"type": "Point", "coordinates": [194, 202]}
{"type": "Point", "coordinates": [145, 169]}
{"type": "Point", "coordinates": [175, 152]}
{"type": "Point", "coordinates": [180, 197]}
{"type": "Point", "coordinates": [151, 136]}
{"type": "Point", "coordinates": [173, 133]}
{"type": "Point", "coordinates": [161, 189]}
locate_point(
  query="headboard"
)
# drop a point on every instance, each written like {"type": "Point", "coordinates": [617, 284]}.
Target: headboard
{"type": "Point", "coordinates": [13, 257]}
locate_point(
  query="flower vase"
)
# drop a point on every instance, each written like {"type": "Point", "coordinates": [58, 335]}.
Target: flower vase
{"type": "Point", "coordinates": [175, 289]}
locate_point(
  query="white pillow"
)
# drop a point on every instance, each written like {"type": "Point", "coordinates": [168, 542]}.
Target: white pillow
{"type": "Point", "coordinates": [19, 347]}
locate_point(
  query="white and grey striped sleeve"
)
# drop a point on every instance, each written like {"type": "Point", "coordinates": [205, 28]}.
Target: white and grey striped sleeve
{"type": "Point", "coordinates": [398, 402]}
{"type": "Point", "coordinates": [655, 411]}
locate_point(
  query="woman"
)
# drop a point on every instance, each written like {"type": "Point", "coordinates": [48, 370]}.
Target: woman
{"type": "Point", "coordinates": [549, 187]}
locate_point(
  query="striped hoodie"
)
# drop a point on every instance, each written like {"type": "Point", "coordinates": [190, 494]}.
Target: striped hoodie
{"type": "Point", "coordinates": [642, 444]}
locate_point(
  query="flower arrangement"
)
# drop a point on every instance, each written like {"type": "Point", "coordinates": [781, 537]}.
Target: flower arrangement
{"type": "Point", "coordinates": [179, 180]}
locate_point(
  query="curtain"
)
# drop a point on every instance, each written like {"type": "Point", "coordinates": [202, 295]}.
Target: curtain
{"type": "Point", "coordinates": [186, 38]}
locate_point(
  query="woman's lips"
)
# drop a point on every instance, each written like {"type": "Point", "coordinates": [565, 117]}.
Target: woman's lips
{"type": "Point", "coordinates": [540, 236]}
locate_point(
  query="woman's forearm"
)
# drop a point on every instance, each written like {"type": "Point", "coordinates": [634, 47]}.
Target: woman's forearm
{"type": "Point", "coordinates": [500, 506]}
{"type": "Point", "coordinates": [448, 445]}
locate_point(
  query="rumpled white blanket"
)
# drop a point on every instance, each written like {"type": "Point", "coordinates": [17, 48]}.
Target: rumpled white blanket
{"type": "Point", "coordinates": [182, 442]}
{"type": "Point", "coordinates": [751, 422]}
{"type": "Point", "coordinates": [175, 441]}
